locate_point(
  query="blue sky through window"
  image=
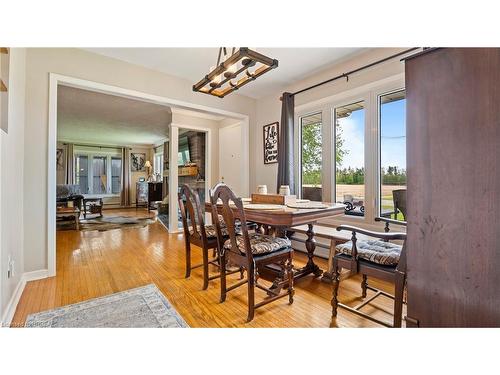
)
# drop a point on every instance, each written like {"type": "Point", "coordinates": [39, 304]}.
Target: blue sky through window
{"type": "Point", "coordinates": [393, 136]}
{"type": "Point", "coordinates": [353, 133]}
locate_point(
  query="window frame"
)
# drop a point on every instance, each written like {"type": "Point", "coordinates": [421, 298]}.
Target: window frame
{"type": "Point", "coordinates": [116, 157]}
{"type": "Point", "coordinates": [351, 100]}
{"type": "Point", "coordinates": [90, 176]}
{"type": "Point", "coordinates": [379, 146]}
{"type": "Point", "coordinates": [299, 176]}
{"type": "Point", "coordinates": [368, 93]}
{"type": "Point", "coordinates": [158, 168]}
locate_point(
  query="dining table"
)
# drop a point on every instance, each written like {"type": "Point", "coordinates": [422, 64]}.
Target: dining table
{"type": "Point", "coordinates": [285, 218]}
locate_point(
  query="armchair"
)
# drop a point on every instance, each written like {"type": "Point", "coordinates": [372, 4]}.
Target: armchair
{"type": "Point", "coordinates": [378, 258]}
{"type": "Point", "coordinates": [68, 192]}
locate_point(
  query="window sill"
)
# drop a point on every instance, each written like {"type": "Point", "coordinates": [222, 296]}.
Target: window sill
{"type": "Point", "coordinates": [90, 196]}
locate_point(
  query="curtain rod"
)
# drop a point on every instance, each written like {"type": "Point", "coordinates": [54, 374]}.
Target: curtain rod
{"type": "Point", "coordinates": [346, 75]}
{"type": "Point", "coordinates": [97, 146]}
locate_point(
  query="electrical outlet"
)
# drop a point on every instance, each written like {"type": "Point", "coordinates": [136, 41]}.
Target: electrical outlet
{"type": "Point", "coordinates": [10, 267]}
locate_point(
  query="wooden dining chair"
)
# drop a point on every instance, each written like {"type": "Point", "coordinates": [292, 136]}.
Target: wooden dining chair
{"type": "Point", "coordinates": [249, 250]}
{"type": "Point", "coordinates": [399, 200]}
{"type": "Point", "coordinates": [197, 233]}
{"type": "Point", "coordinates": [378, 258]}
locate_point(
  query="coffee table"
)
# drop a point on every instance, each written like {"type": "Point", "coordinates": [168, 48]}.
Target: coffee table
{"type": "Point", "coordinates": [92, 206]}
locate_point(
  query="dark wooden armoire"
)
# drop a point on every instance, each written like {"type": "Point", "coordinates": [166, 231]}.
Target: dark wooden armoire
{"type": "Point", "coordinates": [453, 166]}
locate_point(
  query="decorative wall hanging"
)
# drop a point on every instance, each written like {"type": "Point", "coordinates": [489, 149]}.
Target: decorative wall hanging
{"type": "Point", "coordinates": [60, 159]}
{"type": "Point", "coordinates": [234, 71]}
{"type": "Point", "coordinates": [271, 133]}
{"type": "Point", "coordinates": [138, 162]}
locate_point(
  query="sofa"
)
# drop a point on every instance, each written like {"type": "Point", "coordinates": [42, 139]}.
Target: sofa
{"type": "Point", "coordinates": [66, 193]}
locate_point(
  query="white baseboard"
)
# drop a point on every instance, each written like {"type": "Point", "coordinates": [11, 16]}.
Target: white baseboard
{"type": "Point", "coordinates": [35, 275]}
{"type": "Point", "coordinates": [12, 305]}
{"type": "Point", "coordinates": [18, 292]}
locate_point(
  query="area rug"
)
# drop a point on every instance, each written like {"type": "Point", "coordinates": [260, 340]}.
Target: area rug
{"type": "Point", "coordinates": [107, 223]}
{"type": "Point", "coordinates": [163, 218]}
{"type": "Point", "coordinates": [143, 307]}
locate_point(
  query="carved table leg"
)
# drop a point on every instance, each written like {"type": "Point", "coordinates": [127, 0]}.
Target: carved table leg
{"type": "Point", "coordinates": [310, 267]}
{"type": "Point", "coordinates": [328, 274]}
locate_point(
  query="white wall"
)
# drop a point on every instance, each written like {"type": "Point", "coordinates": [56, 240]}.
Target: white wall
{"type": "Point", "coordinates": [11, 180]}
{"type": "Point", "coordinates": [85, 65]}
{"type": "Point", "coordinates": [230, 157]}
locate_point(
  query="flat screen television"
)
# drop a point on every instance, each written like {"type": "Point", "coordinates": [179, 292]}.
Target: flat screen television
{"type": "Point", "coordinates": [184, 157]}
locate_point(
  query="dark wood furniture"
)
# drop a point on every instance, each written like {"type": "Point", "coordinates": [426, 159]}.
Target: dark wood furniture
{"type": "Point", "coordinates": [378, 266]}
{"type": "Point", "coordinates": [399, 202]}
{"type": "Point", "coordinates": [73, 212]}
{"type": "Point", "coordinates": [453, 158]}
{"type": "Point", "coordinates": [335, 239]}
{"type": "Point", "coordinates": [92, 206]}
{"type": "Point", "coordinates": [155, 193]}
{"type": "Point", "coordinates": [281, 220]}
{"type": "Point", "coordinates": [249, 252]}
{"type": "Point", "coordinates": [148, 193]}
{"type": "Point", "coordinates": [141, 194]}
{"type": "Point", "coordinates": [69, 193]}
{"type": "Point", "coordinates": [198, 234]}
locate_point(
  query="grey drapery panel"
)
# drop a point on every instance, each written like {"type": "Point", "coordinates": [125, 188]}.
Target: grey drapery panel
{"type": "Point", "coordinates": [69, 174]}
{"type": "Point", "coordinates": [165, 163]}
{"type": "Point", "coordinates": [285, 144]}
{"type": "Point", "coordinates": [125, 193]}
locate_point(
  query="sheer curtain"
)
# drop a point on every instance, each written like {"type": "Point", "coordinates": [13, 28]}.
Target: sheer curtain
{"type": "Point", "coordinates": [125, 193]}
{"type": "Point", "coordinates": [285, 144]}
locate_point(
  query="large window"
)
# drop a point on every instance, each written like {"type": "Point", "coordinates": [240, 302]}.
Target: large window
{"type": "Point", "coordinates": [392, 119]}
{"type": "Point", "coordinates": [82, 173]}
{"type": "Point", "coordinates": [116, 175]}
{"type": "Point", "coordinates": [350, 157]}
{"type": "Point", "coordinates": [158, 164]}
{"type": "Point", "coordinates": [98, 173]}
{"type": "Point", "coordinates": [353, 151]}
{"type": "Point", "coordinates": [311, 157]}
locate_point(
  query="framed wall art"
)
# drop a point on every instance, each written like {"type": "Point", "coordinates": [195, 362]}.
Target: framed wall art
{"type": "Point", "coordinates": [138, 162]}
{"type": "Point", "coordinates": [271, 149]}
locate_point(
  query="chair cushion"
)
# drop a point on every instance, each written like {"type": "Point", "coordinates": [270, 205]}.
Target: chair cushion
{"type": "Point", "coordinates": [375, 251]}
{"type": "Point", "coordinates": [221, 221]}
{"type": "Point", "coordinates": [211, 231]}
{"type": "Point", "coordinates": [260, 243]}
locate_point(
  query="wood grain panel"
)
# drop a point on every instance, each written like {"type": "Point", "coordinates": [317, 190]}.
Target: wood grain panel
{"type": "Point", "coordinates": [453, 158]}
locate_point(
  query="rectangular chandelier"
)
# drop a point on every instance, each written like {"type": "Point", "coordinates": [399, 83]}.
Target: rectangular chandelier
{"type": "Point", "coordinates": [242, 67]}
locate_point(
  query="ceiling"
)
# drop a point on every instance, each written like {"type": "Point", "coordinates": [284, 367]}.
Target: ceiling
{"type": "Point", "coordinates": [91, 117]}
{"type": "Point", "coordinates": [193, 63]}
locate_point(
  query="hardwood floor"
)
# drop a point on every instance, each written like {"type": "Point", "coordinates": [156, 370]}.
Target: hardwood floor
{"type": "Point", "coordinates": [94, 264]}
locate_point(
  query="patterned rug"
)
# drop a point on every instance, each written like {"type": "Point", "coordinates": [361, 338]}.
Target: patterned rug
{"type": "Point", "coordinates": [106, 223]}
{"type": "Point", "coordinates": [144, 307]}
{"type": "Point", "coordinates": [164, 219]}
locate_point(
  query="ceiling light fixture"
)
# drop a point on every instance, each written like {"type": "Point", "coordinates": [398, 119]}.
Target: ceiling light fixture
{"type": "Point", "coordinates": [234, 70]}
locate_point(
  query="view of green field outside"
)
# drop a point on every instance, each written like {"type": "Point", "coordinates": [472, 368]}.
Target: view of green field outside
{"type": "Point", "coordinates": [349, 147]}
